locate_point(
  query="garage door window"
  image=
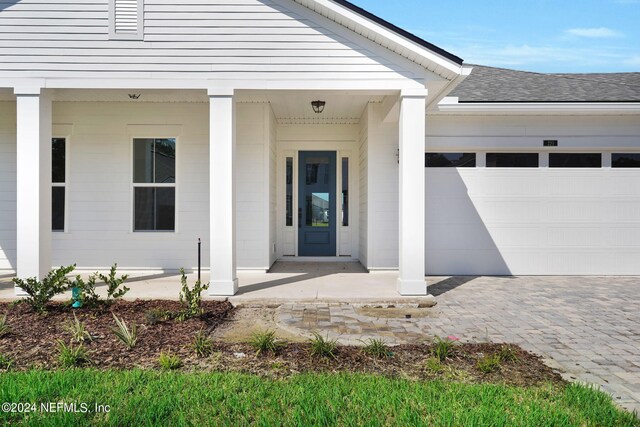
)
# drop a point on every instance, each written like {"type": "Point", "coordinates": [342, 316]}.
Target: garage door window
{"type": "Point", "coordinates": [625, 160]}
{"type": "Point", "coordinates": [575, 160]}
{"type": "Point", "coordinates": [512, 160]}
{"type": "Point", "coordinates": [450, 160]}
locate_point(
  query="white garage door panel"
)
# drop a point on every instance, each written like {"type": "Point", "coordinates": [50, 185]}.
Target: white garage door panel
{"type": "Point", "coordinates": [532, 221]}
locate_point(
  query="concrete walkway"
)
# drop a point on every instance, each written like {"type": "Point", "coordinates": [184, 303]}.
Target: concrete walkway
{"type": "Point", "coordinates": [587, 327]}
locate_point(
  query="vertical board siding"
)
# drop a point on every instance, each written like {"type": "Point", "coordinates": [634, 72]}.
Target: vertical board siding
{"type": "Point", "coordinates": [192, 39]}
{"type": "Point", "coordinates": [7, 186]}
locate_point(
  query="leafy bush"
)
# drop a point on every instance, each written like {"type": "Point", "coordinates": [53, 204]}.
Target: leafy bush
{"type": "Point", "coordinates": [128, 337]}
{"type": "Point", "coordinates": [265, 342]}
{"type": "Point", "coordinates": [5, 362]}
{"type": "Point", "coordinates": [191, 299]}
{"type": "Point", "coordinates": [71, 357]}
{"type": "Point", "coordinates": [114, 291]}
{"type": "Point", "coordinates": [157, 315]}
{"type": "Point", "coordinates": [202, 345]}
{"type": "Point", "coordinates": [88, 295]}
{"type": "Point", "coordinates": [507, 353]}
{"type": "Point", "coordinates": [376, 347]}
{"type": "Point", "coordinates": [169, 361]}
{"type": "Point", "coordinates": [442, 348]}
{"type": "Point", "coordinates": [323, 347]}
{"type": "Point", "coordinates": [77, 330]}
{"type": "Point", "coordinates": [487, 364]}
{"type": "Point", "coordinates": [40, 292]}
{"type": "Point", "coordinates": [5, 328]}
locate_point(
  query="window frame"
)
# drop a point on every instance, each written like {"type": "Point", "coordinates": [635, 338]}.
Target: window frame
{"type": "Point", "coordinates": [135, 185]}
{"type": "Point", "coordinates": [64, 184]}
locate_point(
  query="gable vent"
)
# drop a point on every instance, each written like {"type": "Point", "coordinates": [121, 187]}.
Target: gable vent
{"type": "Point", "coordinates": [126, 19]}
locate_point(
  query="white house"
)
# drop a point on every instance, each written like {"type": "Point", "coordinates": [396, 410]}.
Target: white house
{"type": "Point", "coordinates": [131, 128]}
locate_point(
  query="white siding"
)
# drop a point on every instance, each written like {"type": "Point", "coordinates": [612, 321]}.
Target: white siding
{"type": "Point", "coordinates": [7, 186]}
{"type": "Point", "coordinates": [364, 187]}
{"type": "Point", "coordinates": [533, 221]}
{"type": "Point", "coordinates": [220, 39]}
{"type": "Point", "coordinates": [383, 184]}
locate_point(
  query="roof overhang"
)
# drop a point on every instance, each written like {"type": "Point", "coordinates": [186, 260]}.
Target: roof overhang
{"type": "Point", "coordinates": [389, 36]}
{"type": "Point", "coordinates": [452, 105]}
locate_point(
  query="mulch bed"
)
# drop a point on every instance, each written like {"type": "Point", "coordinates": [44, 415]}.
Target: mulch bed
{"type": "Point", "coordinates": [33, 344]}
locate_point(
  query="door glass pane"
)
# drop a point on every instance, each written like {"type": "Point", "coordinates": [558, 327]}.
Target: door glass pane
{"type": "Point", "coordinates": [165, 209]}
{"type": "Point", "coordinates": [625, 160]}
{"type": "Point", "coordinates": [57, 208]}
{"type": "Point", "coordinates": [575, 160]}
{"type": "Point", "coordinates": [317, 170]}
{"type": "Point", "coordinates": [165, 161]}
{"type": "Point", "coordinates": [450, 160]}
{"type": "Point", "coordinates": [143, 161]}
{"type": "Point", "coordinates": [144, 209]}
{"type": "Point", "coordinates": [345, 191]}
{"type": "Point", "coordinates": [58, 160]}
{"type": "Point", "coordinates": [289, 192]}
{"type": "Point", "coordinates": [320, 215]}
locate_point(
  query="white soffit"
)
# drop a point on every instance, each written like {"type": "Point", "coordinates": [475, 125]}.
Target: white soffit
{"type": "Point", "coordinates": [385, 37]}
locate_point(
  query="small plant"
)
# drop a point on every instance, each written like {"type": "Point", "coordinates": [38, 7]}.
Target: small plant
{"type": "Point", "coordinates": [5, 328]}
{"type": "Point", "coordinates": [433, 365]}
{"type": "Point", "coordinates": [190, 299]}
{"type": "Point", "coordinates": [5, 362]}
{"type": "Point", "coordinates": [377, 348]}
{"type": "Point", "coordinates": [265, 342]}
{"type": "Point", "coordinates": [88, 295]}
{"type": "Point", "coordinates": [169, 361]}
{"type": "Point", "coordinates": [156, 315]}
{"type": "Point", "coordinates": [40, 292]}
{"type": "Point", "coordinates": [202, 345]}
{"type": "Point", "coordinates": [128, 337]}
{"type": "Point", "coordinates": [507, 354]}
{"type": "Point", "coordinates": [71, 357]}
{"type": "Point", "coordinates": [488, 363]}
{"type": "Point", "coordinates": [323, 347]}
{"type": "Point", "coordinates": [442, 348]}
{"type": "Point", "coordinates": [77, 330]}
{"type": "Point", "coordinates": [114, 291]}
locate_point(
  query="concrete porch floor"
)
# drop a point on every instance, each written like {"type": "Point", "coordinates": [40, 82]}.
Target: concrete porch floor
{"type": "Point", "coordinates": [285, 282]}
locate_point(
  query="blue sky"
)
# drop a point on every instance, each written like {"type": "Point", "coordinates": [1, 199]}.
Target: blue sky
{"type": "Point", "coordinates": [534, 35]}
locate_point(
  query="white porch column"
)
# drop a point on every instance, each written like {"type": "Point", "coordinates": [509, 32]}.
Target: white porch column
{"type": "Point", "coordinates": [411, 280]}
{"type": "Point", "coordinates": [222, 188]}
{"type": "Point", "coordinates": [33, 178]}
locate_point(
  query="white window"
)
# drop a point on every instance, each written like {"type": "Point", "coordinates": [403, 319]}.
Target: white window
{"type": "Point", "coordinates": [154, 184]}
{"type": "Point", "coordinates": [126, 19]}
{"type": "Point", "coordinates": [58, 182]}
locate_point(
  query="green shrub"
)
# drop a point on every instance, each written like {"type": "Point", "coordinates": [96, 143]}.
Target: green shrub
{"type": "Point", "coordinates": [77, 330]}
{"type": "Point", "coordinates": [433, 365]}
{"type": "Point", "coordinates": [114, 291]}
{"type": "Point", "coordinates": [72, 357]}
{"type": "Point", "coordinates": [128, 337]}
{"type": "Point", "coordinates": [169, 361]}
{"type": "Point", "coordinates": [377, 348]}
{"type": "Point", "coordinates": [488, 363]}
{"type": "Point", "coordinates": [191, 299]}
{"type": "Point", "coordinates": [5, 362]}
{"type": "Point", "coordinates": [323, 347]}
{"type": "Point", "coordinates": [442, 348]}
{"type": "Point", "coordinates": [88, 295]}
{"type": "Point", "coordinates": [40, 292]}
{"type": "Point", "coordinates": [157, 315]}
{"type": "Point", "coordinates": [265, 342]}
{"type": "Point", "coordinates": [202, 345]}
{"type": "Point", "coordinates": [5, 328]}
{"type": "Point", "coordinates": [507, 353]}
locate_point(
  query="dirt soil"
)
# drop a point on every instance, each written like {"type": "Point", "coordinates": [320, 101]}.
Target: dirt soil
{"type": "Point", "coordinates": [33, 344]}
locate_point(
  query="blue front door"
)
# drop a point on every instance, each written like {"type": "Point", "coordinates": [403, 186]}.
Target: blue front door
{"type": "Point", "coordinates": [317, 203]}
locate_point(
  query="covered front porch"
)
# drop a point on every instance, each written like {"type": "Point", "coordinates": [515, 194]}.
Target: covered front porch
{"type": "Point", "coordinates": [229, 183]}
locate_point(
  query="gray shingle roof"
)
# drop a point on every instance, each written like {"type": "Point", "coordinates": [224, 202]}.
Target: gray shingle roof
{"type": "Point", "coordinates": [488, 84]}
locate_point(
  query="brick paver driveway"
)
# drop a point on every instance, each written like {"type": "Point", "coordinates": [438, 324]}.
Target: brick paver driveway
{"type": "Point", "coordinates": [588, 327]}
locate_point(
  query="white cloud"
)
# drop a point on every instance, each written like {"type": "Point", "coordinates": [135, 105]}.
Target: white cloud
{"type": "Point", "coordinates": [594, 33]}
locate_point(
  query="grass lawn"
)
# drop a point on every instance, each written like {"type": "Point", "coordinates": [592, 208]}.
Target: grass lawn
{"type": "Point", "coordinates": [148, 397]}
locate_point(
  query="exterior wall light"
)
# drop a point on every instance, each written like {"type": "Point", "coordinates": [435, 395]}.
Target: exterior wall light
{"type": "Point", "coordinates": [318, 106]}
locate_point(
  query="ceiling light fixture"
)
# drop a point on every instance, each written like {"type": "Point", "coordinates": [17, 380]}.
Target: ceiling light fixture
{"type": "Point", "coordinates": [318, 106]}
